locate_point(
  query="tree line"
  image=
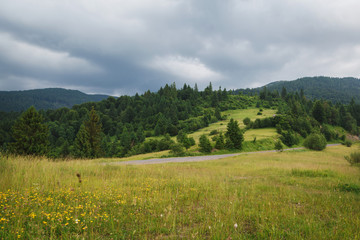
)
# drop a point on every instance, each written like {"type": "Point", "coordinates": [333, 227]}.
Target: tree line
{"type": "Point", "coordinates": [126, 122]}
{"type": "Point", "coordinates": [118, 127]}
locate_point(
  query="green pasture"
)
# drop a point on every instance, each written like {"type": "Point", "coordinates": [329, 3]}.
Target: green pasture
{"type": "Point", "coordinates": [289, 195]}
{"type": "Point", "coordinates": [261, 133]}
{"type": "Point", "coordinates": [238, 115]}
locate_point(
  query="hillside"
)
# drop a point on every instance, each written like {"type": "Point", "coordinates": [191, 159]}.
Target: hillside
{"type": "Point", "coordinates": [332, 89]}
{"type": "Point", "coordinates": [50, 98]}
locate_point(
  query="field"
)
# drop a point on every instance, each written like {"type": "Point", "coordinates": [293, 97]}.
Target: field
{"type": "Point", "coordinates": [238, 115]}
{"type": "Point", "coordinates": [290, 195]}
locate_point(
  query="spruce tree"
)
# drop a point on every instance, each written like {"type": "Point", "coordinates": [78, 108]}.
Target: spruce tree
{"type": "Point", "coordinates": [82, 143]}
{"type": "Point", "coordinates": [318, 112]}
{"type": "Point", "coordinates": [88, 139]}
{"type": "Point", "coordinates": [93, 127]}
{"type": "Point", "coordinates": [234, 135]}
{"type": "Point", "coordinates": [204, 144]}
{"type": "Point", "coordinates": [220, 142]}
{"type": "Point", "coordinates": [30, 134]}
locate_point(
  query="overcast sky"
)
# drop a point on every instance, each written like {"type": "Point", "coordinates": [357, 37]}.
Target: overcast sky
{"type": "Point", "coordinates": [121, 47]}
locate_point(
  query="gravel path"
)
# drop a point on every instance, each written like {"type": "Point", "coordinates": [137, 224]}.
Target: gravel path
{"type": "Point", "coordinates": [198, 158]}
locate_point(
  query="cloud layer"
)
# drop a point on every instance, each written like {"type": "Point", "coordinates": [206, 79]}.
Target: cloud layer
{"type": "Point", "coordinates": [122, 47]}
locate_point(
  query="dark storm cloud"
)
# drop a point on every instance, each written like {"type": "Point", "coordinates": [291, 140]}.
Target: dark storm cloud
{"type": "Point", "coordinates": [122, 47]}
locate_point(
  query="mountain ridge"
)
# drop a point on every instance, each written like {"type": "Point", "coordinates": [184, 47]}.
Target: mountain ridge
{"type": "Point", "coordinates": [341, 90]}
{"type": "Point", "coordinates": [333, 89]}
{"type": "Point", "coordinates": [44, 99]}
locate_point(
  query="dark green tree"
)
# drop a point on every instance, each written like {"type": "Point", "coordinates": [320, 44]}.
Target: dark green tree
{"type": "Point", "coordinates": [93, 127]}
{"type": "Point", "coordinates": [88, 139]}
{"type": "Point", "coordinates": [220, 142]}
{"type": "Point", "coordinates": [218, 114]}
{"type": "Point", "coordinates": [283, 92]}
{"type": "Point", "coordinates": [234, 135]}
{"type": "Point", "coordinates": [318, 112]}
{"type": "Point", "coordinates": [82, 147]}
{"type": "Point", "coordinates": [30, 134]}
{"type": "Point", "coordinates": [186, 141]}
{"type": "Point", "coordinates": [204, 144]}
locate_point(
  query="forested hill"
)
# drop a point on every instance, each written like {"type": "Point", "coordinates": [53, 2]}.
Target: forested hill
{"type": "Point", "coordinates": [49, 98]}
{"type": "Point", "coordinates": [332, 89]}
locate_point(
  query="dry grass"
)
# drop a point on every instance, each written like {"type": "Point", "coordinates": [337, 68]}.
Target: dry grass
{"type": "Point", "coordinates": [288, 195]}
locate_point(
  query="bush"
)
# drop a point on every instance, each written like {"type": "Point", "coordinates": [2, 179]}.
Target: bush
{"type": "Point", "coordinates": [343, 138]}
{"type": "Point", "coordinates": [213, 132]}
{"type": "Point", "coordinates": [348, 143]}
{"type": "Point", "coordinates": [165, 143]}
{"type": "Point", "coordinates": [289, 138]}
{"type": "Point", "coordinates": [315, 141]}
{"type": "Point", "coordinates": [246, 121]}
{"type": "Point", "coordinates": [279, 146]}
{"type": "Point", "coordinates": [177, 149]}
{"type": "Point", "coordinates": [354, 158]}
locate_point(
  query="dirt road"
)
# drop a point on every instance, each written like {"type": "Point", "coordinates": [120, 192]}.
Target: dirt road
{"type": "Point", "coordinates": [199, 158]}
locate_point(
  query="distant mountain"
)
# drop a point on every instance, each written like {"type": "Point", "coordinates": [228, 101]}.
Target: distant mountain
{"type": "Point", "coordinates": [49, 98]}
{"type": "Point", "coordinates": [332, 89]}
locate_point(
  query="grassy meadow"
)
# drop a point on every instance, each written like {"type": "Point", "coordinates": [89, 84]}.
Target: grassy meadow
{"type": "Point", "coordinates": [239, 115]}
{"type": "Point", "coordinates": [289, 195]}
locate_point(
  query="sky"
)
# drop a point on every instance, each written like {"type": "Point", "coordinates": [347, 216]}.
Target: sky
{"type": "Point", "coordinates": [120, 47]}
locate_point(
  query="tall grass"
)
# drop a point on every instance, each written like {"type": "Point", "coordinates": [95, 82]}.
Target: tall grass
{"type": "Point", "coordinates": [288, 195]}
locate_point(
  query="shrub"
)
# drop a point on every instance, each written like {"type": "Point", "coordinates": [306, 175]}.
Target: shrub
{"type": "Point", "coordinates": [354, 158]}
{"type": "Point", "coordinates": [246, 121]}
{"type": "Point", "coordinates": [349, 188]}
{"type": "Point", "coordinates": [213, 132]}
{"type": "Point", "coordinates": [165, 143]}
{"type": "Point", "coordinates": [315, 141]}
{"type": "Point", "coordinates": [348, 143]}
{"type": "Point", "coordinates": [279, 146]}
{"type": "Point", "coordinates": [343, 138]}
{"type": "Point", "coordinates": [289, 138]}
{"type": "Point", "coordinates": [177, 149]}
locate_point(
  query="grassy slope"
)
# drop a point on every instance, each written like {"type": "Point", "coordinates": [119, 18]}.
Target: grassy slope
{"type": "Point", "coordinates": [290, 195]}
{"type": "Point", "coordinates": [238, 115]}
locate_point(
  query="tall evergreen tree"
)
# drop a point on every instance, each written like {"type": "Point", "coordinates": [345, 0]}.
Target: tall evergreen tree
{"type": "Point", "coordinates": [234, 135]}
{"type": "Point", "coordinates": [283, 92]}
{"type": "Point", "coordinates": [82, 147]}
{"type": "Point", "coordinates": [93, 127]}
{"type": "Point", "coordinates": [88, 139]}
{"type": "Point", "coordinates": [30, 134]}
{"type": "Point", "coordinates": [318, 112]}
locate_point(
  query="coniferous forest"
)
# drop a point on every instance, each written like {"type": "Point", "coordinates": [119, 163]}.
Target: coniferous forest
{"type": "Point", "coordinates": [129, 125]}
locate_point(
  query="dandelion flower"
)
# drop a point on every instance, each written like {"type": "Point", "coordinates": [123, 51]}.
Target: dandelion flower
{"type": "Point", "coordinates": [77, 221]}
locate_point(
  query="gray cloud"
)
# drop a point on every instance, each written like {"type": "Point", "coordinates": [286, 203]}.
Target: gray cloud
{"type": "Point", "coordinates": [123, 47]}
